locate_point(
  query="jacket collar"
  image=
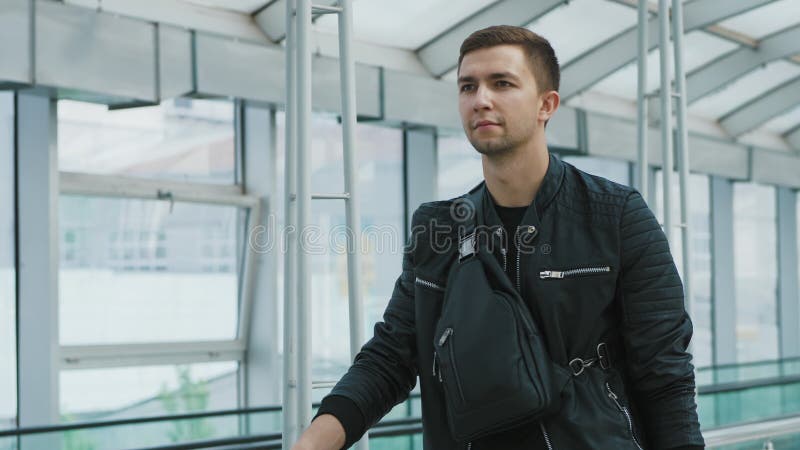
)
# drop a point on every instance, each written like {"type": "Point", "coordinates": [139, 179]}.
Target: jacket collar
{"type": "Point", "coordinates": [484, 204]}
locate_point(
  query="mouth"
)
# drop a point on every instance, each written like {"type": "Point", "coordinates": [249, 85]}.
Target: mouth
{"type": "Point", "coordinates": [485, 124]}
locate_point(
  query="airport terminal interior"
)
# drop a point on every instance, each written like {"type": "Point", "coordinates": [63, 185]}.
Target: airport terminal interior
{"type": "Point", "coordinates": [157, 156]}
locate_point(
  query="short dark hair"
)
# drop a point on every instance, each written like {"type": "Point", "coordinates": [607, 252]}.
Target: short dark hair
{"type": "Point", "coordinates": [541, 56]}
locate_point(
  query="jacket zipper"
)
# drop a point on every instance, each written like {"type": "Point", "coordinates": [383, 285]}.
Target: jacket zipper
{"type": "Point", "coordinates": [546, 274]}
{"type": "Point", "coordinates": [624, 411]}
{"type": "Point", "coordinates": [429, 284]}
{"type": "Point", "coordinates": [503, 249]}
{"type": "Point", "coordinates": [516, 245]}
{"type": "Point", "coordinates": [546, 436]}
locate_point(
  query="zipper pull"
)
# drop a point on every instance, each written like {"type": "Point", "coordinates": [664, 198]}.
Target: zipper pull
{"type": "Point", "coordinates": [434, 365]}
{"type": "Point", "coordinates": [550, 274]}
{"type": "Point", "coordinates": [445, 335]}
{"type": "Point", "coordinates": [611, 393]}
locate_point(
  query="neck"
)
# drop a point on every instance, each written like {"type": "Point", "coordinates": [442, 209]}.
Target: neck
{"type": "Point", "coordinates": [514, 177]}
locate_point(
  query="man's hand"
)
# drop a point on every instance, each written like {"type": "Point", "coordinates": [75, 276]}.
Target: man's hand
{"type": "Point", "coordinates": [324, 433]}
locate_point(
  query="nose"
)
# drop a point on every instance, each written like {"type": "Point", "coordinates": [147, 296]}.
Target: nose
{"type": "Point", "coordinates": [482, 98]}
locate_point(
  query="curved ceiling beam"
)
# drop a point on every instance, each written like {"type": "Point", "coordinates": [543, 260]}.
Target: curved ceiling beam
{"type": "Point", "coordinates": [793, 137]}
{"type": "Point", "coordinates": [613, 54]}
{"type": "Point", "coordinates": [440, 55]}
{"type": "Point", "coordinates": [272, 18]}
{"type": "Point", "coordinates": [727, 68]}
{"type": "Point", "coordinates": [757, 112]}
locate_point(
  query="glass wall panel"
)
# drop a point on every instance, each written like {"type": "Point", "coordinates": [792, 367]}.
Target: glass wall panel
{"type": "Point", "coordinates": [380, 184]}
{"type": "Point", "coordinates": [135, 271]}
{"type": "Point", "coordinates": [459, 166]}
{"type": "Point", "coordinates": [180, 139]}
{"type": "Point", "coordinates": [700, 211]}
{"type": "Point", "coordinates": [8, 289]}
{"type": "Point", "coordinates": [127, 392]}
{"type": "Point", "coordinates": [755, 266]}
{"type": "Point", "coordinates": [615, 170]}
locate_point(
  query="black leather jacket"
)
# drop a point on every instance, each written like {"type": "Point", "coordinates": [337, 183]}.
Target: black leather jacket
{"type": "Point", "coordinates": [596, 267]}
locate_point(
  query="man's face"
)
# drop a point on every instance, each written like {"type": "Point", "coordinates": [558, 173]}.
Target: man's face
{"type": "Point", "coordinates": [498, 99]}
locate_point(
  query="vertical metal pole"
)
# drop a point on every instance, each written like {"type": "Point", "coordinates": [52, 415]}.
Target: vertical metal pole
{"type": "Point", "coordinates": [347, 79]}
{"type": "Point", "coordinates": [666, 114]}
{"type": "Point", "coordinates": [291, 430]}
{"type": "Point", "coordinates": [683, 154]}
{"type": "Point", "coordinates": [303, 77]}
{"type": "Point", "coordinates": [641, 110]}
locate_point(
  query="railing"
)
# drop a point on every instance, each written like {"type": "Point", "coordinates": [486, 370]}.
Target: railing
{"type": "Point", "coordinates": [764, 429]}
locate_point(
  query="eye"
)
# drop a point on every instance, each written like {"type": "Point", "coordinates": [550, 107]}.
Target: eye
{"type": "Point", "coordinates": [466, 88]}
{"type": "Point", "coordinates": [503, 83]}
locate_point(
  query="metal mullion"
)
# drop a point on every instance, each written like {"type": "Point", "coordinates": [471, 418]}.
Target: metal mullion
{"type": "Point", "coordinates": [155, 348]}
{"type": "Point", "coordinates": [246, 293]}
{"type": "Point", "coordinates": [150, 360]}
{"type": "Point", "coordinates": [128, 355]}
{"type": "Point", "coordinates": [126, 187]}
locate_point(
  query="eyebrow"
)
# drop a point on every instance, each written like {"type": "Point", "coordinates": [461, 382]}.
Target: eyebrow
{"type": "Point", "coordinates": [494, 76]}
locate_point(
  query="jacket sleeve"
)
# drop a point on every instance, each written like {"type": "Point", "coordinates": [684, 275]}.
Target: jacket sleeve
{"type": "Point", "coordinates": [656, 331]}
{"type": "Point", "coordinates": [385, 370]}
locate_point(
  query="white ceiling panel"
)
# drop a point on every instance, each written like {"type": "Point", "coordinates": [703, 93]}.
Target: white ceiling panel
{"type": "Point", "coordinates": [784, 122]}
{"type": "Point", "coordinates": [745, 89]}
{"type": "Point", "coordinates": [243, 6]}
{"type": "Point", "coordinates": [699, 48]}
{"type": "Point", "coordinates": [408, 24]}
{"type": "Point", "coordinates": [579, 25]}
{"type": "Point", "coordinates": [765, 20]}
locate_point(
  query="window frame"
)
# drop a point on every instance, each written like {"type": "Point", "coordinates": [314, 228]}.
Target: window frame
{"type": "Point", "coordinates": [76, 357]}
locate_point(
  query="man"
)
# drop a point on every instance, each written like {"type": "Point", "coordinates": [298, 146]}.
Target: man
{"type": "Point", "coordinates": [595, 272]}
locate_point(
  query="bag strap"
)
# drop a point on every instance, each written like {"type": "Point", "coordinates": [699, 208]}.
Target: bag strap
{"type": "Point", "coordinates": [464, 213]}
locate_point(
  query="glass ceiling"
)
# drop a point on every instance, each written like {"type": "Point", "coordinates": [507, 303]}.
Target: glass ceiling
{"type": "Point", "coordinates": [765, 20]}
{"type": "Point", "coordinates": [578, 26]}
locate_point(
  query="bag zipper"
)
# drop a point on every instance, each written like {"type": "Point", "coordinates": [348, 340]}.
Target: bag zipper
{"type": "Point", "coordinates": [547, 274]}
{"type": "Point", "coordinates": [624, 411]}
{"type": "Point", "coordinates": [546, 436]}
{"type": "Point", "coordinates": [429, 284]}
{"type": "Point", "coordinates": [443, 340]}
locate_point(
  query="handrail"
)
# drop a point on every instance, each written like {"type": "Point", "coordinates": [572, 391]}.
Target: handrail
{"type": "Point", "coordinates": [752, 431]}
{"type": "Point", "coordinates": [734, 386]}
{"type": "Point", "coordinates": [135, 420]}
{"type": "Point", "coordinates": [748, 364]}
{"type": "Point", "coordinates": [714, 438]}
{"type": "Point", "coordinates": [397, 427]}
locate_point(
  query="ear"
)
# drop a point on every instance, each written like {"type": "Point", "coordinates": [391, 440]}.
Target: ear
{"type": "Point", "coordinates": [549, 104]}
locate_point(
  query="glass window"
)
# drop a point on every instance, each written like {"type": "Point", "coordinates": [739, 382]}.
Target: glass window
{"type": "Point", "coordinates": [380, 178]}
{"type": "Point", "coordinates": [614, 170]}
{"type": "Point", "coordinates": [125, 392]}
{"type": "Point", "coordinates": [459, 165]}
{"type": "Point", "coordinates": [180, 139]}
{"type": "Point", "coordinates": [700, 211]}
{"type": "Point", "coordinates": [755, 265]}
{"type": "Point", "coordinates": [8, 289]}
{"type": "Point", "coordinates": [135, 271]}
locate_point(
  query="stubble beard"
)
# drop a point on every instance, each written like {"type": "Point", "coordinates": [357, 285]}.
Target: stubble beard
{"type": "Point", "coordinates": [495, 146]}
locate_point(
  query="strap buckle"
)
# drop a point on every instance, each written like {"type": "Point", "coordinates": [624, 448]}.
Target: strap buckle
{"type": "Point", "coordinates": [602, 356]}
{"type": "Point", "coordinates": [466, 246]}
{"type": "Point", "coordinates": [578, 365]}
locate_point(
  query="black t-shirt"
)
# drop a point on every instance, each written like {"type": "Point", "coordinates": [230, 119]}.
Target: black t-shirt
{"type": "Point", "coordinates": [511, 216]}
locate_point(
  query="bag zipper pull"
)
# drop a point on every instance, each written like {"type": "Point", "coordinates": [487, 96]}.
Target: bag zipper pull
{"type": "Point", "coordinates": [447, 333]}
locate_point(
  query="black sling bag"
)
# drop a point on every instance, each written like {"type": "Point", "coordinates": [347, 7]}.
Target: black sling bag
{"type": "Point", "coordinates": [489, 353]}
